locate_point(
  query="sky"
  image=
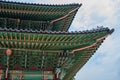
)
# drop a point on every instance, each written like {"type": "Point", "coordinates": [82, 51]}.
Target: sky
{"type": "Point", "coordinates": [105, 63]}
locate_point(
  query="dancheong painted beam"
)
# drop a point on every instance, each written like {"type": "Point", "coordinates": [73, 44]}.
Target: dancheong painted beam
{"type": "Point", "coordinates": [35, 42]}
{"type": "Point", "coordinates": [59, 16]}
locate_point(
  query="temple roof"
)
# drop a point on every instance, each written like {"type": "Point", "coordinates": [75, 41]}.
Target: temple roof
{"type": "Point", "coordinates": [58, 40]}
{"type": "Point", "coordinates": [67, 50]}
{"type": "Point", "coordinates": [58, 15]}
{"type": "Point", "coordinates": [38, 37]}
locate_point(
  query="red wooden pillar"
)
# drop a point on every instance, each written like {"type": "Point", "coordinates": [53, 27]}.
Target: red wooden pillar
{"type": "Point", "coordinates": [8, 76]}
{"type": "Point", "coordinates": [56, 77]}
{"type": "Point", "coordinates": [1, 72]}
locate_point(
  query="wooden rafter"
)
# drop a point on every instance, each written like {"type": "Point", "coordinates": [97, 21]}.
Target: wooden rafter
{"type": "Point", "coordinates": [98, 40]}
{"type": "Point", "coordinates": [30, 12]}
{"type": "Point", "coordinates": [65, 15]}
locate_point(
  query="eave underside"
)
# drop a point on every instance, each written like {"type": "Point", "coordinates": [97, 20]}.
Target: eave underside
{"type": "Point", "coordinates": [48, 40]}
{"type": "Point", "coordinates": [68, 51]}
{"type": "Point", "coordinates": [60, 15]}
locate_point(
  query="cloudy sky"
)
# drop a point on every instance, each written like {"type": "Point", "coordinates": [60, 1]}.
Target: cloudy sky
{"type": "Point", "coordinates": [105, 64]}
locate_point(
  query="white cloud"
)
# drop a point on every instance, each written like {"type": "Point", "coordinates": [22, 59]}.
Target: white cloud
{"type": "Point", "coordinates": [101, 8]}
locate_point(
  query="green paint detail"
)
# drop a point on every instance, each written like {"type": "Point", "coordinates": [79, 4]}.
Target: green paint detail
{"type": "Point", "coordinates": [77, 61]}
{"type": "Point", "coordinates": [62, 42]}
{"type": "Point", "coordinates": [48, 41]}
{"type": "Point", "coordinates": [32, 14]}
{"type": "Point", "coordinates": [73, 78]}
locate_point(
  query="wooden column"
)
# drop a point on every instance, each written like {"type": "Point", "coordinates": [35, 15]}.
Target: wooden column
{"type": "Point", "coordinates": [1, 74]}
{"type": "Point", "coordinates": [13, 75]}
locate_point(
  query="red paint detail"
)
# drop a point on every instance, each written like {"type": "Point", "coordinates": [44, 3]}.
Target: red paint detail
{"type": "Point", "coordinates": [17, 68]}
{"type": "Point", "coordinates": [8, 52]}
{"type": "Point", "coordinates": [8, 76]}
{"type": "Point", "coordinates": [33, 68]}
{"type": "Point", "coordinates": [55, 77]}
{"type": "Point", "coordinates": [48, 68]}
{"type": "Point", "coordinates": [0, 66]}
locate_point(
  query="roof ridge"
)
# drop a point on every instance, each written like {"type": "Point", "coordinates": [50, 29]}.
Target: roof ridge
{"type": "Point", "coordinates": [100, 29]}
{"type": "Point", "coordinates": [40, 4]}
